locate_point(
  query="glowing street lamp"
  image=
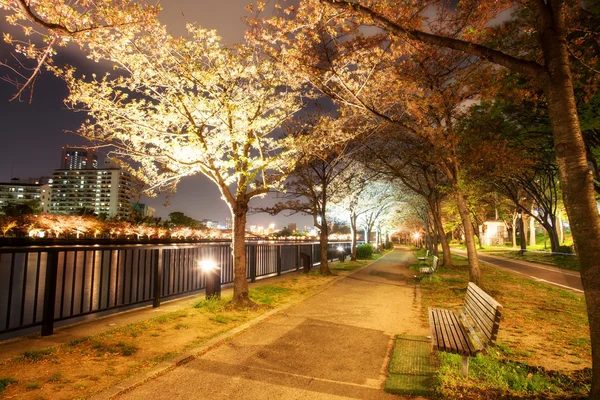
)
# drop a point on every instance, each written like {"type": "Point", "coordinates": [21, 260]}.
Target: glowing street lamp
{"type": "Point", "coordinates": [212, 275]}
{"type": "Point", "coordinates": [342, 253]}
{"type": "Point", "coordinates": [417, 237]}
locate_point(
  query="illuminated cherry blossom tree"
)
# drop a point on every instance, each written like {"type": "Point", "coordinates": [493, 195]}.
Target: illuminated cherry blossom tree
{"type": "Point", "coordinates": [178, 107]}
{"type": "Point", "coordinates": [43, 26]}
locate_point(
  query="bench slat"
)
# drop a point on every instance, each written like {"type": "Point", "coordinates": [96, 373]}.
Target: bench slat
{"type": "Point", "coordinates": [484, 311]}
{"type": "Point", "coordinates": [482, 322]}
{"type": "Point", "coordinates": [459, 336]}
{"type": "Point", "coordinates": [448, 333]}
{"type": "Point", "coordinates": [478, 345]}
{"type": "Point", "coordinates": [437, 330]}
{"type": "Point", "coordinates": [488, 299]}
{"type": "Point", "coordinates": [481, 303]}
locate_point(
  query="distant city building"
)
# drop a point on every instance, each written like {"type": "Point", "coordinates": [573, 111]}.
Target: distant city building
{"type": "Point", "coordinates": [78, 158]}
{"type": "Point", "coordinates": [292, 227]}
{"type": "Point", "coordinates": [17, 192]}
{"type": "Point", "coordinates": [210, 223]}
{"type": "Point", "coordinates": [228, 223]}
{"type": "Point", "coordinates": [104, 191]}
{"type": "Point", "coordinates": [45, 197]}
{"type": "Point", "coordinates": [78, 185]}
{"type": "Point", "coordinates": [144, 209]}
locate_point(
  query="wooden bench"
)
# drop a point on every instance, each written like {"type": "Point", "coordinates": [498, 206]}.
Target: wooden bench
{"type": "Point", "coordinates": [432, 269]}
{"type": "Point", "coordinates": [469, 331]}
{"type": "Point", "coordinates": [424, 258]}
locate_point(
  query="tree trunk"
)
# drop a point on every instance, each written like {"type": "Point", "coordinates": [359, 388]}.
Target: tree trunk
{"type": "Point", "coordinates": [437, 223]}
{"type": "Point", "coordinates": [561, 230]}
{"type": "Point", "coordinates": [323, 240]}
{"type": "Point", "coordinates": [238, 250]}
{"type": "Point", "coordinates": [577, 180]}
{"type": "Point", "coordinates": [552, 235]}
{"type": "Point", "coordinates": [532, 238]}
{"type": "Point", "coordinates": [525, 227]}
{"type": "Point", "coordinates": [354, 234]}
{"type": "Point", "coordinates": [522, 235]}
{"type": "Point", "coordinates": [474, 271]}
{"type": "Point", "coordinates": [514, 230]}
{"type": "Point", "coordinates": [427, 238]}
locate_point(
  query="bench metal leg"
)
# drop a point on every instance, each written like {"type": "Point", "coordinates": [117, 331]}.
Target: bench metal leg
{"type": "Point", "coordinates": [465, 366]}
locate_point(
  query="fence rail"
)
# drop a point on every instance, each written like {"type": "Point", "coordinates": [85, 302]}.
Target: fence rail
{"type": "Point", "coordinates": [43, 286]}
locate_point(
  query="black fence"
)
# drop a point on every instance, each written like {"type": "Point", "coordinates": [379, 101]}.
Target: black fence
{"type": "Point", "coordinates": [40, 287]}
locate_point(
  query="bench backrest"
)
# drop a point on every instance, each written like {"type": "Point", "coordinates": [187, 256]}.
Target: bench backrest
{"type": "Point", "coordinates": [484, 312]}
{"type": "Point", "coordinates": [434, 263]}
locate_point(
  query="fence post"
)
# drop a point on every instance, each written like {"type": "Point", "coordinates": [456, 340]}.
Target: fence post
{"type": "Point", "coordinates": [158, 277]}
{"type": "Point", "coordinates": [50, 293]}
{"type": "Point", "coordinates": [252, 261]}
{"type": "Point", "coordinates": [297, 257]}
{"type": "Point", "coordinates": [278, 260]}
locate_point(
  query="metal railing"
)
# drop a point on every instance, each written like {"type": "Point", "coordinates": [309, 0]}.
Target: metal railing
{"type": "Point", "coordinates": [40, 287]}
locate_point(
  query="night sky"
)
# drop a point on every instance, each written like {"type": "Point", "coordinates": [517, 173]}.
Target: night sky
{"type": "Point", "coordinates": [32, 134]}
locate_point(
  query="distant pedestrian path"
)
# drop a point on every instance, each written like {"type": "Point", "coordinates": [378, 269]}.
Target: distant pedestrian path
{"type": "Point", "coordinates": [540, 272]}
{"type": "Point", "coordinates": [334, 345]}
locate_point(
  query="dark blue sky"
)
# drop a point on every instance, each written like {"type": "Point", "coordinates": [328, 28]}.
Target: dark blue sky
{"type": "Point", "coordinates": [31, 135]}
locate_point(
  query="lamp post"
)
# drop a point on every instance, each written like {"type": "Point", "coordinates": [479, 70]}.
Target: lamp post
{"type": "Point", "coordinates": [417, 236]}
{"type": "Point", "coordinates": [341, 253]}
{"type": "Point", "coordinates": [212, 276]}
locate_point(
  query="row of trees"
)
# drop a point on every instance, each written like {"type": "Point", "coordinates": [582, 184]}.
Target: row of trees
{"type": "Point", "coordinates": [419, 85]}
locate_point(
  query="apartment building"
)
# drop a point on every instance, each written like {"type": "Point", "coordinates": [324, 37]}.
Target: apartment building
{"type": "Point", "coordinates": [105, 191]}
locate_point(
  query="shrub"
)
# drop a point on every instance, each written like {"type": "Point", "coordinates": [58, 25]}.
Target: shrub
{"type": "Point", "coordinates": [364, 251]}
{"type": "Point", "coordinates": [565, 249]}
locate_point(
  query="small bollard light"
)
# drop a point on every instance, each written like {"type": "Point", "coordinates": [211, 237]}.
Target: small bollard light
{"type": "Point", "coordinates": [212, 274]}
{"type": "Point", "coordinates": [342, 255]}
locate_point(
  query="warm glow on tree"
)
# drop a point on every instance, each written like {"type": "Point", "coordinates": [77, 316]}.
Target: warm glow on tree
{"type": "Point", "coordinates": [178, 107]}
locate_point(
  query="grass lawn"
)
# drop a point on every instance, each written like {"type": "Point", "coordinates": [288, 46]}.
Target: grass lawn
{"type": "Point", "coordinates": [543, 347]}
{"type": "Point", "coordinates": [80, 368]}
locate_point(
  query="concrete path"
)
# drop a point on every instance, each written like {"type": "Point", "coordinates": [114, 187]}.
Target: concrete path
{"type": "Point", "coordinates": [540, 272]}
{"type": "Point", "coordinates": [335, 345]}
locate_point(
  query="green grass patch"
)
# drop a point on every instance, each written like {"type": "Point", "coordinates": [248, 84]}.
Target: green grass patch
{"type": "Point", "coordinates": [269, 294]}
{"type": "Point", "coordinates": [164, 318]}
{"type": "Point", "coordinates": [212, 305]}
{"type": "Point", "coordinates": [75, 342]}
{"type": "Point", "coordinates": [181, 326]}
{"type": "Point", "coordinates": [495, 375]}
{"type": "Point", "coordinates": [38, 355]}
{"type": "Point", "coordinates": [121, 348]}
{"type": "Point", "coordinates": [35, 385]}
{"type": "Point", "coordinates": [55, 377]}
{"type": "Point", "coordinates": [221, 319]}
{"type": "Point", "coordinates": [347, 265]}
{"type": "Point", "coordinates": [5, 382]}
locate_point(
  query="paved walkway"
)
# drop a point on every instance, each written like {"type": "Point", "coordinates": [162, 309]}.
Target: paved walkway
{"type": "Point", "coordinates": [335, 345]}
{"type": "Point", "coordinates": [540, 272]}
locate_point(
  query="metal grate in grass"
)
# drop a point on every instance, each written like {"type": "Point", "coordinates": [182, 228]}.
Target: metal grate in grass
{"type": "Point", "coordinates": [412, 367]}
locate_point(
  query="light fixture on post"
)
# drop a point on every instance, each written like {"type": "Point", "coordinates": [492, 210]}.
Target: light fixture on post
{"type": "Point", "coordinates": [212, 275]}
{"type": "Point", "coordinates": [341, 253]}
{"type": "Point", "coordinates": [417, 237]}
